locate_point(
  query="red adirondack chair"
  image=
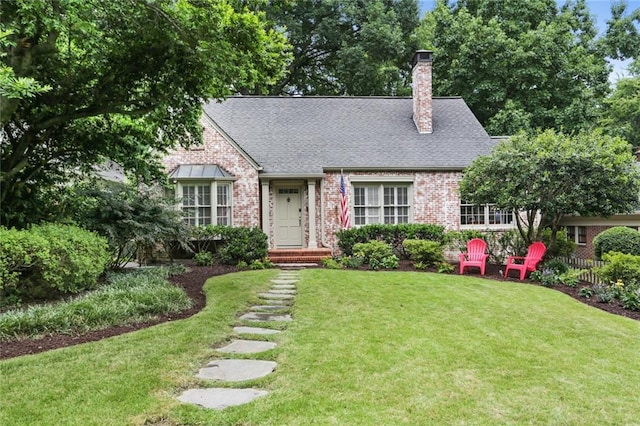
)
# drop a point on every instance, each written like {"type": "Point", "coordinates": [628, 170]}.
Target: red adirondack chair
{"type": "Point", "coordinates": [528, 262]}
{"type": "Point", "coordinates": [475, 255]}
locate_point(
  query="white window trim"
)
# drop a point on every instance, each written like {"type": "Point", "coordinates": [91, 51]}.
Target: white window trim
{"type": "Point", "coordinates": [213, 195]}
{"type": "Point", "coordinates": [485, 225]}
{"type": "Point", "coordinates": [576, 233]}
{"type": "Point", "coordinates": [380, 182]}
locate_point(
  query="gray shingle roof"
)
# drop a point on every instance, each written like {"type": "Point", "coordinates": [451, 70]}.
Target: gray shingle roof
{"type": "Point", "coordinates": [302, 135]}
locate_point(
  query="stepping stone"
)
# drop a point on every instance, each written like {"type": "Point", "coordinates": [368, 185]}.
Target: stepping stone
{"type": "Point", "coordinates": [284, 281]}
{"type": "Point", "coordinates": [236, 370]}
{"type": "Point", "coordinates": [269, 307]}
{"type": "Point", "coordinates": [283, 287]}
{"type": "Point", "coordinates": [254, 330]}
{"type": "Point", "coordinates": [247, 347]}
{"type": "Point", "coordinates": [280, 303]}
{"type": "Point", "coordinates": [270, 295]}
{"type": "Point", "coordinates": [219, 398]}
{"type": "Point", "coordinates": [282, 291]}
{"type": "Point", "coordinates": [263, 316]}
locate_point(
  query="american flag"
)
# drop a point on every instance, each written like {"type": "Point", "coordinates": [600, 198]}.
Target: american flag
{"type": "Point", "coordinates": [345, 217]}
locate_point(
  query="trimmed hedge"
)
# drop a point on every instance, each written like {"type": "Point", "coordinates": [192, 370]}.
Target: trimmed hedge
{"type": "Point", "coordinates": [394, 235]}
{"type": "Point", "coordinates": [50, 260]}
{"type": "Point", "coordinates": [619, 239]}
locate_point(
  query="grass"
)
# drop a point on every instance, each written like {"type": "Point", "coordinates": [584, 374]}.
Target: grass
{"type": "Point", "coordinates": [126, 298]}
{"type": "Point", "coordinates": [382, 348]}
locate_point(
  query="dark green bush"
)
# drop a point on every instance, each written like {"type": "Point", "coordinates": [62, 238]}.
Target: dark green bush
{"type": "Point", "coordinates": [50, 260]}
{"type": "Point", "coordinates": [241, 244]}
{"type": "Point", "coordinates": [424, 252]}
{"type": "Point", "coordinates": [393, 235]}
{"type": "Point", "coordinates": [137, 224]}
{"type": "Point", "coordinates": [619, 239]}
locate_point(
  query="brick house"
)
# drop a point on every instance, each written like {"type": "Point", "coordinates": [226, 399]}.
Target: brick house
{"type": "Point", "coordinates": [277, 163]}
{"type": "Point", "coordinates": [584, 229]}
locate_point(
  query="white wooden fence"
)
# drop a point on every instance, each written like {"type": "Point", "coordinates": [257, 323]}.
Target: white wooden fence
{"type": "Point", "coordinates": [587, 264]}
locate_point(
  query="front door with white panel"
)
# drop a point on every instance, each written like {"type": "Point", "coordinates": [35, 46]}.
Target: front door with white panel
{"type": "Point", "coordinates": [288, 210]}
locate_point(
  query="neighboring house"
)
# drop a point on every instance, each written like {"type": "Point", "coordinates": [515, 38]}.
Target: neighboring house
{"type": "Point", "coordinates": [277, 163]}
{"type": "Point", "coordinates": [583, 230]}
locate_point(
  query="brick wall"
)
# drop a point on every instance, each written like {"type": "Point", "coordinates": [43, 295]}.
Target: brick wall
{"type": "Point", "coordinates": [435, 199]}
{"type": "Point", "coordinates": [216, 150]}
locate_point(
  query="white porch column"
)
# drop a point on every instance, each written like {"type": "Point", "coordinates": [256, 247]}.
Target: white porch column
{"type": "Point", "coordinates": [265, 209]}
{"type": "Point", "coordinates": [311, 190]}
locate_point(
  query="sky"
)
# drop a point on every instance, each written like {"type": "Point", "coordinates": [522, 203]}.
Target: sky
{"type": "Point", "coordinates": [600, 9]}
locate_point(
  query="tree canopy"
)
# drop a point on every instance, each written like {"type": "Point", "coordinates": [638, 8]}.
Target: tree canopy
{"type": "Point", "coordinates": [551, 174]}
{"type": "Point", "coordinates": [519, 68]}
{"type": "Point", "coordinates": [343, 47]}
{"type": "Point", "coordinates": [82, 81]}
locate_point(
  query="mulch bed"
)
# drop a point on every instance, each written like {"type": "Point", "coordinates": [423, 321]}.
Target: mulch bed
{"type": "Point", "coordinates": [192, 283]}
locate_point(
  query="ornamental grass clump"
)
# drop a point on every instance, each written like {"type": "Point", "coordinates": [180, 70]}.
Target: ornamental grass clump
{"type": "Point", "coordinates": [127, 298]}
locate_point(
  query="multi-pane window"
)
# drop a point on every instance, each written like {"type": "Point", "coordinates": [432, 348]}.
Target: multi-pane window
{"type": "Point", "coordinates": [196, 204]}
{"type": "Point", "coordinates": [380, 203]}
{"type": "Point", "coordinates": [223, 209]}
{"type": "Point", "coordinates": [484, 214]}
{"type": "Point", "coordinates": [197, 207]}
{"type": "Point", "coordinates": [578, 234]}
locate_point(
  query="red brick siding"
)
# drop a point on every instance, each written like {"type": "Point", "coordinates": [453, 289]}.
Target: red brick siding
{"type": "Point", "coordinates": [216, 150]}
{"type": "Point", "coordinates": [435, 199]}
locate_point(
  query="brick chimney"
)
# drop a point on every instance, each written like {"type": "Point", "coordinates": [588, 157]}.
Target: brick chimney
{"type": "Point", "coordinates": [422, 103]}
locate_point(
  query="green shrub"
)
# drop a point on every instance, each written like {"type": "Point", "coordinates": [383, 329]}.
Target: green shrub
{"type": "Point", "coordinates": [331, 263]}
{"type": "Point", "coordinates": [445, 268]}
{"type": "Point", "coordinates": [376, 254]}
{"type": "Point", "coordinates": [20, 252]}
{"type": "Point", "coordinates": [562, 247]}
{"type": "Point", "coordinates": [620, 266]}
{"type": "Point", "coordinates": [261, 264]}
{"type": "Point", "coordinates": [619, 239]}
{"type": "Point", "coordinates": [136, 223]}
{"type": "Point", "coordinates": [241, 244]}
{"type": "Point", "coordinates": [49, 260]}
{"type": "Point", "coordinates": [393, 235]}
{"type": "Point", "coordinates": [425, 252]}
{"type": "Point", "coordinates": [203, 258]}
{"type": "Point", "coordinates": [352, 262]}
{"type": "Point", "coordinates": [571, 277]}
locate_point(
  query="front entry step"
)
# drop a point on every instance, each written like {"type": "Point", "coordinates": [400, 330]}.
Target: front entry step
{"type": "Point", "coordinates": [298, 256]}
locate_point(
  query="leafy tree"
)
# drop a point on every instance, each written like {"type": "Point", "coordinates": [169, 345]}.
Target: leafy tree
{"type": "Point", "coordinates": [344, 47]}
{"type": "Point", "coordinates": [533, 67]}
{"type": "Point", "coordinates": [116, 80]}
{"type": "Point", "coordinates": [622, 110]}
{"type": "Point", "coordinates": [622, 41]}
{"type": "Point", "coordinates": [550, 175]}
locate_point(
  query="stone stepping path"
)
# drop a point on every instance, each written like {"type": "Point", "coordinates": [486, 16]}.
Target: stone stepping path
{"type": "Point", "coordinates": [266, 316]}
{"type": "Point", "coordinates": [219, 398]}
{"type": "Point", "coordinates": [281, 282]}
{"type": "Point", "coordinates": [280, 296]}
{"type": "Point", "coordinates": [255, 330]}
{"type": "Point", "coordinates": [269, 307]}
{"type": "Point", "coordinates": [271, 295]}
{"type": "Point", "coordinates": [283, 287]}
{"type": "Point", "coordinates": [280, 303]}
{"type": "Point", "coordinates": [247, 347]}
{"type": "Point", "coordinates": [236, 370]}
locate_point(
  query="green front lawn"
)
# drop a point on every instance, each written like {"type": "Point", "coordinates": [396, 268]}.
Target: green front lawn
{"type": "Point", "coordinates": [364, 348]}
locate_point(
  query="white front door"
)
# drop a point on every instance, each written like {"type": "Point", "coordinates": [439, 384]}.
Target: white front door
{"type": "Point", "coordinates": [288, 212]}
